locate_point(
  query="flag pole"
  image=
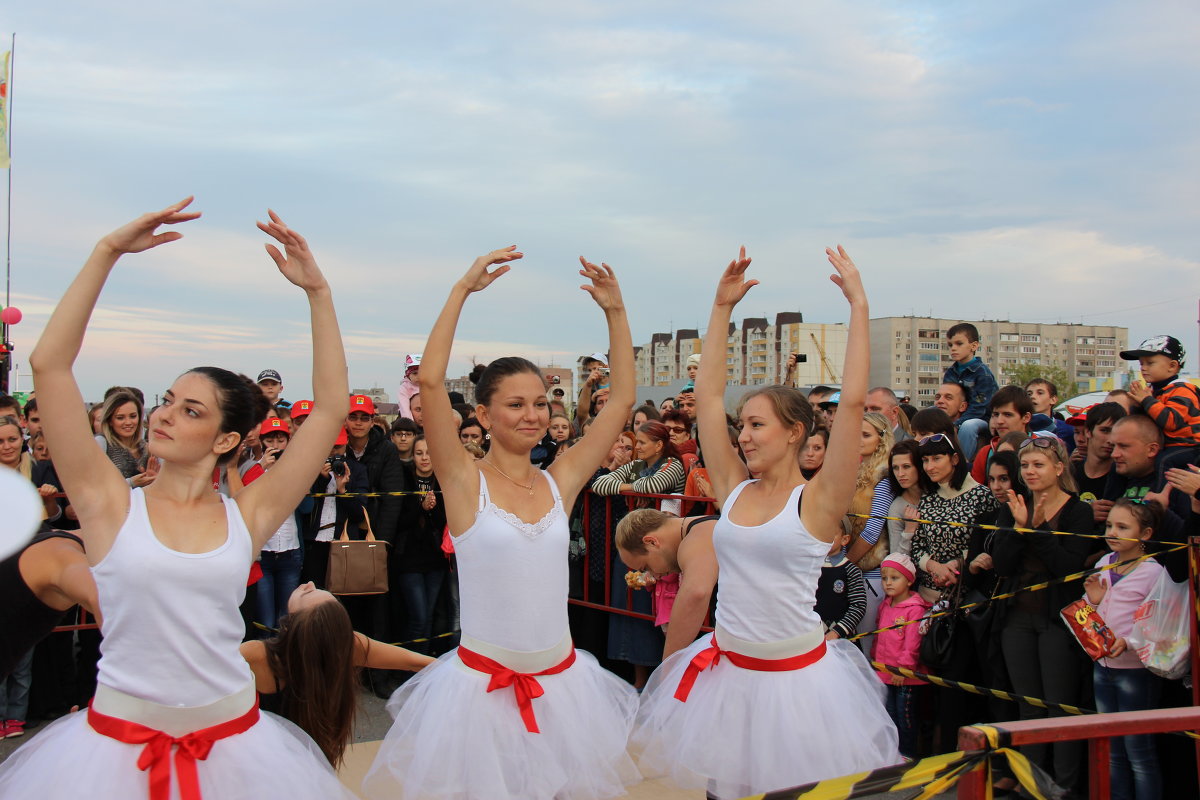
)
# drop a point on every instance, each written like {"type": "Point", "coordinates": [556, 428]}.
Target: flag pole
{"type": "Point", "coordinates": [12, 58]}
{"type": "Point", "coordinates": [8, 360]}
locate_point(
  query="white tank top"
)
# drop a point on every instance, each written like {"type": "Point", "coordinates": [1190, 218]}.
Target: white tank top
{"type": "Point", "coordinates": [768, 586]}
{"type": "Point", "coordinates": [512, 576]}
{"type": "Point", "coordinates": [171, 622]}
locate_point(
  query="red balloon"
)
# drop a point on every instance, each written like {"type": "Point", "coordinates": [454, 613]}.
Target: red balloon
{"type": "Point", "coordinates": [11, 315]}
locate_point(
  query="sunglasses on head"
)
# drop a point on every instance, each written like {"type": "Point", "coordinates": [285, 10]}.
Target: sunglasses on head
{"type": "Point", "coordinates": [937, 437]}
{"type": "Point", "coordinates": [1044, 442]}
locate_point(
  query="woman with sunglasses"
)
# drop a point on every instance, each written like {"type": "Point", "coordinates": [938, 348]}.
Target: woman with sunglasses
{"type": "Point", "coordinates": [939, 550]}
{"type": "Point", "coordinates": [1042, 657]}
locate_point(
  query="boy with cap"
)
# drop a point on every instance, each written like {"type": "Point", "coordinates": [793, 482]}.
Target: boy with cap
{"type": "Point", "coordinates": [1173, 403]}
{"type": "Point", "coordinates": [300, 411]}
{"type": "Point", "coordinates": [272, 386]}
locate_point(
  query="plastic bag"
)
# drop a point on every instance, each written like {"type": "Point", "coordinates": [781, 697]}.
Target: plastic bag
{"type": "Point", "coordinates": [1162, 629]}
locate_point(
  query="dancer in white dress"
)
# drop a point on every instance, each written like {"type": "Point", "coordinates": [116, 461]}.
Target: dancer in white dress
{"type": "Point", "coordinates": [174, 696]}
{"type": "Point", "coordinates": [515, 711]}
{"type": "Point", "coordinates": [766, 703]}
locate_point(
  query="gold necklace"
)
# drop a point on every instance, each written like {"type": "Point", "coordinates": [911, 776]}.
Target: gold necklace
{"type": "Point", "coordinates": [528, 488]}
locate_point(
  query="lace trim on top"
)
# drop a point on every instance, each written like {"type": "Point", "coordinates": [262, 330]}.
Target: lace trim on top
{"type": "Point", "coordinates": [530, 530]}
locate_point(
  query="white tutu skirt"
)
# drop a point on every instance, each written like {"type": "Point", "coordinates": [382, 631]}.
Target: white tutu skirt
{"type": "Point", "coordinates": [68, 760]}
{"type": "Point", "coordinates": [744, 732]}
{"type": "Point", "coordinates": [454, 740]}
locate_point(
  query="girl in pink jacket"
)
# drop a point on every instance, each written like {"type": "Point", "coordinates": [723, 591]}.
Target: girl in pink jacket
{"type": "Point", "coordinates": [900, 647]}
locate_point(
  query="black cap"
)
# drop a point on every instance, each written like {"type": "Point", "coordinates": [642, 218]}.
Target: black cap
{"type": "Point", "coordinates": [269, 375]}
{"type": "Point", "coordinates": [1167, 346]}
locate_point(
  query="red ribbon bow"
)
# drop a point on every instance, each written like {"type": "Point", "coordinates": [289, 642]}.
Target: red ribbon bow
{"type": "Point", "coordinates": [709, 656]}
{"type": "Point", "coordinates": [525, 685]}
{"type": "Point", "coordinates": [156, 755]}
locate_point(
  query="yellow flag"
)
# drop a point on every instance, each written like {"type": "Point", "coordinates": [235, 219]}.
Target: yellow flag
{"type": "Point", "coordinates": [4, 112]}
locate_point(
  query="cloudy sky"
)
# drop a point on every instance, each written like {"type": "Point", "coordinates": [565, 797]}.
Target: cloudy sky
{"type": "Point", "coordinates": [1013, 160]}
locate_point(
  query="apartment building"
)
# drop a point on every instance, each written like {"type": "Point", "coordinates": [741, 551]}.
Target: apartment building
{"type": "Point", "coordinates": [910, 355]}
{"type": "Point", "coordinates": [756, 352]}
{"type": "Point", "coordinates": [554, 376]}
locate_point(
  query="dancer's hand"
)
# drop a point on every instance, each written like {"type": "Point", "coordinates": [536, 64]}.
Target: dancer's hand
{"type": "Point", "coordinates": [299, 266]}
{"type": "Point", "coordinates": [604, 289]}
{"type": "Point", "coordinates": [733, 287]}
{"type": "Point", "coordinates": [139, 235]}
{"type": "Point", "coordinates": [478, 278]}
{"type": "Point", "coordinates": [847, 277]}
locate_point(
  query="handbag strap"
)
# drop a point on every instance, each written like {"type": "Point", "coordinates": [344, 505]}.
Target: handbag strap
{"type": "Point", "coordinates": [345, 537]}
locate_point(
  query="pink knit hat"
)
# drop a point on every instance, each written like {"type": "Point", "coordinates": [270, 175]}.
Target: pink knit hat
{"type": "Point", "coordinates": [902, 564]}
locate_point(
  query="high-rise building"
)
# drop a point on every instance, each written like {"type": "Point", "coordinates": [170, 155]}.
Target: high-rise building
{"type": "Point", "coordinates": [910, 355]}
{"type": "Point", "coordinates": [756, 352]}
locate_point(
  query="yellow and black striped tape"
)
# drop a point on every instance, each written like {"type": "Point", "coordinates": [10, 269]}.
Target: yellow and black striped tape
{"type": "Point", "coordinates": [1034, 588]}
{"type": "Point", "coordinates": [985, 527]}
{"type": "Point", "coordinates": [980, 690]}
{"type": "Point", "coordinates": [932, 776]}
{"type": "Point", "coordinates": [268, 629]}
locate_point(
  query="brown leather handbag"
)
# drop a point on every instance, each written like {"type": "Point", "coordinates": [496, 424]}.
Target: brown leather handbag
{"type": "Point", "coordinates": [357, 566]}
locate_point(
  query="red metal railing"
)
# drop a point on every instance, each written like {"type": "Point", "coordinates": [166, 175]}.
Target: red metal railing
{"type": "Point", "coordinates": [1095, 728]}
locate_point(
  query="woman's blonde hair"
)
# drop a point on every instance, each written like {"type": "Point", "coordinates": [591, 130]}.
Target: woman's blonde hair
{"type": "Point", "coordinates": [874, 467]}
{"type": "Point", "coordinates": [1066, 479]}
{"type": "Point", "coordinates": [638, 524]}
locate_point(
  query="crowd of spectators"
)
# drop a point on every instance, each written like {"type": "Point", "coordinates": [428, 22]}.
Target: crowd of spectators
{"type": "Point", "coordinates": [1055, 484]}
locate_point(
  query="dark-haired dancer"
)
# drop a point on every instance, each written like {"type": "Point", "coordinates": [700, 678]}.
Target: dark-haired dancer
{"type": "Point", "coordinates": [515, 711]}
{"type": "Point", "coordinates": [170, 561]}
{"type": "Point", "coordinates": [766, 703]}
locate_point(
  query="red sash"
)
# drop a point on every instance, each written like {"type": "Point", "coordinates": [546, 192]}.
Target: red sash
{"type": "Point", "coordinates": [709, 657]}
{"type": "Point", "coordinates": [156, 755]}
{"type": "Point", "coordinates": [524, 684]}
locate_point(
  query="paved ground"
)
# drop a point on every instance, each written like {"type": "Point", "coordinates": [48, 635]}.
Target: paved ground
{"type": "Point", "coordinates": [373, 722]}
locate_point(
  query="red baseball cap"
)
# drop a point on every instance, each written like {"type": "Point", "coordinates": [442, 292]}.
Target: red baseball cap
{"type": "Point", "coordinates": [302, 408]}
{"type": "Point", "coordinates": [360, 402]}
{"type": "Point", "coordinates": [342, 438]}
{"type": "Point", "coordinates": [274, 425]}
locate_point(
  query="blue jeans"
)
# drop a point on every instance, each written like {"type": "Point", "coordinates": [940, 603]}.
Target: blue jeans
{"type": "Point", "coordinates": [1133, 762]}
{"type": "Point", "coordinates": [14, 690]}
{"type": "Point", "coordinates": [281, 576]}
{"type": "Point", "coordinates": [902, 708]}
{"type": "Point", "coordinates": [420, 592]}
{"type": "Point", "coordinates": [969, 434]}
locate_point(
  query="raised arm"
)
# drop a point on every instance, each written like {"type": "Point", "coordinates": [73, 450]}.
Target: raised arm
{"type": "Point", "coordinates": [574, 469]}
{"type": "Point", "coordinates": [834, 484]}
{"type": "Point", "coordinates": [267, 502]}
{"type": "Point", "coordinates": [454, 466]}
{"type": "Point", "coordinates": [98, 493]}
{"type": "Point", "coordinates": [725, 468]}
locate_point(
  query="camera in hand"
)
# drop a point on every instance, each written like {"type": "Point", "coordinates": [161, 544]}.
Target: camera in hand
{"type": "Point", "coordinates": [801, 358]}
{"type": "Point", "coordinates": [337, 465]}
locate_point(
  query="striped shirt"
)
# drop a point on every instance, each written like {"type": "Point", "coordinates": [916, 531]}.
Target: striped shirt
{"type": "Point", "coordinates": [1175, 409]}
